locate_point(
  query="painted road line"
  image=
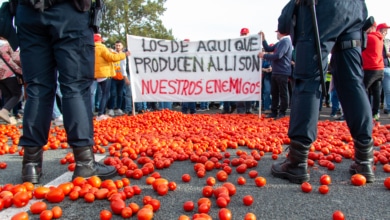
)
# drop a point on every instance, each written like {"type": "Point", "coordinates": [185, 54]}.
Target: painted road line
{"type": "Point", "coordinates": [66, 177]}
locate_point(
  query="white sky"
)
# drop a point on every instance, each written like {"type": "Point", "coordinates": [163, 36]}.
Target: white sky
{"type": "Point", "coordinates": [219, 19]}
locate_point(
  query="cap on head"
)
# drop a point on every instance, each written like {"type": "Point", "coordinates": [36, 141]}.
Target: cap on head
{"type": "Point", "coordinates": [97, 38]}
{"type": "Point", "coordinates": [382, 26]}
{"type": "Point", "coordinates": [244, 31]}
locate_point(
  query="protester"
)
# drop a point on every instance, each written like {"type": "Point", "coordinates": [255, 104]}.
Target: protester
{"type": "Point", "coordinates": [281, 71]}
{"type": "Point", "coordinates": [340, 27]}
{"type": "Point", "coordinates": [266, 86]}
{"type": "Point", "coordinates": [244, 106]}
{"type": "Point", "coordinates": [383, 28]}
{"type": "Point", "coordinates": [105, 68]}
{"type": "Point", "coordinates": [57, 36]}
{"type": "Point", "coordinates": [11, 90]}
{"type": "Point", "coordinates": [373, 67]}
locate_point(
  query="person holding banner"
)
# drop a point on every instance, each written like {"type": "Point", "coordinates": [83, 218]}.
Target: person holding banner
{"type": "Point", "coordinates": [340, 25]}
{"type": "Point", "coordinates": [281, 71]}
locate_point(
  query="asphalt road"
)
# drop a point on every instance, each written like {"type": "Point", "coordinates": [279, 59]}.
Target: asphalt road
{"type": "Point", "coordinates": [279, 199]}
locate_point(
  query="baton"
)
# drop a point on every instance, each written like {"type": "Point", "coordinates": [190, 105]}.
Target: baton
{"type": "Point", "coordinates": [318, 45]}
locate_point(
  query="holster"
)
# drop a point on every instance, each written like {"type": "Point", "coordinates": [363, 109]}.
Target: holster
{"type": "Point", "coordinates": [97, 11]}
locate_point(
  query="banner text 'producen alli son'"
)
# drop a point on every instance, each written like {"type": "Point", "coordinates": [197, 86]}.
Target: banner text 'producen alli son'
{"type": "Point", "coordinates": [209, 70]}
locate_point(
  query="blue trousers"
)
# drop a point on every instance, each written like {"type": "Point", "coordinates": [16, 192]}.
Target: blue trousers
{"type": "Point", "coordinates": [341, 20]}
{"type": "Point", "coordinates": [58, 38]}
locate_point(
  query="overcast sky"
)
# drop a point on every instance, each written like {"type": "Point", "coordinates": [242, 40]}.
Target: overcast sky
{"type": "Point", "coordinates": [219, 19]}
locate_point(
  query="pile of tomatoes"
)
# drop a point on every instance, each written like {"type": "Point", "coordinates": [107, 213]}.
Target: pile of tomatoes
{"type": "Point", "coordinates": [138, 146]}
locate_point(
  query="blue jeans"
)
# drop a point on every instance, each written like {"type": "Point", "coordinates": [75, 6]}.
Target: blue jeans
{"type": "Point", "coordinates": [56, 110]}
{"type": "Point", "coordinates": [128, 99]}
{"type": "Point", "coordinates": [266, 91]}
{"type": "Point", "coordinates": [105, 87]}
{"type": "Point", "coordinates": [93, 89]}
{"type": "Point", "coordinates": [141, 106]}
{"type": "Point", "coordinates": [204, 105]}
{"type": "Point", "coordinates": [335, 102]}
{"type": "Point", "coordinates": [115, 101]}
{"type": "Point", "coordinates": [165, 105]}
{"type": "Point", "coordinates": [188, 105]}
{"type": "Point", "coordinates": [386, 87]}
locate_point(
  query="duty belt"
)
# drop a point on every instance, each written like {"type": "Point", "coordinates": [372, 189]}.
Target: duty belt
{"type": "Point", "coordinates": [40, 5]}
{"type": "Point", "coordinates": [348, 44]}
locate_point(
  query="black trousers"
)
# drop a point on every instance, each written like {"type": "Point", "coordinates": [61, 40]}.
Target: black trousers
{"type": "Point", "coordinates": [340, 20]}
{"type": "Point", "coordinates": [57, 38]}
{"type": "Point", "coordinates": [279, 93]}
{"type": "Point", "coordinates": [11, 92]}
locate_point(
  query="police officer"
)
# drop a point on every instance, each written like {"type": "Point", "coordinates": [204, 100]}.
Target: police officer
{"type": "Point", "coordinates": [340, 25]}
{"type": "Point", "coordinates": [57, 35]}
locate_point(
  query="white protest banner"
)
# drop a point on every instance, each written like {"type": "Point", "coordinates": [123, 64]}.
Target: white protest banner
{"type": "Point", "coordinates": [180, 71]}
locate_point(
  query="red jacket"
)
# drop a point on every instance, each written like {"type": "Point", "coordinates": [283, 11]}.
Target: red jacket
{"type": "Point", "coordinates": [372, 55]}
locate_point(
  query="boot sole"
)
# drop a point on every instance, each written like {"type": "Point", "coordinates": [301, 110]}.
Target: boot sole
{"type": "Point", "coordinates": [102, 177]}
{"type": "Point", "coordinates": [33, 179]}
{"type": "Point", "coordinates": [292, 178]}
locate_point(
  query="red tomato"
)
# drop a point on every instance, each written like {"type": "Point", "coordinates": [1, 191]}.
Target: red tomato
{"type": "Point", "coordinates": [155, 204]}
{"type": "Point", "coordinates": [204, 208]}
{"type": "Point", "coordinates": [231, 188]}
{"type": "Point", "coordinates": [55, 195]}
{"type": "Point", "coordinates": [127, 212]}
{"type": "Point", "coordinates": [207, 191]}
{"type": "Point", "coordinates": [38, 207]}
{"type": "Point", "coordinates": [20, 216]}
{"type": "Point", "coordinates": [386, 168]}
{"type": "Point", "coordinates": [306, 187]}
{"type": "Point", "coordinates": [89, 197]}
{"type": "Point", "coordinates": [105, 215]}
{"type": "Point", "coordinates": [338, 215]}
{"type": "Point", "coordinates": [260, 181]}
{"type": "Point", "coordinates": [387, 183]}
{"type": "Point", "coordinates": [145, 214]}
{"type": "Point", "coordinates": [117, 205]}
{"type": "Point", "coordinates": [241, 180]}
{"type": "Point", "coordinates": [57, 212]}
{"type": "Point", "coordinates": [210, 181]}
{"type": "Point", "coordinates": [325, 179]}
{"type": "Point", "coordinates": [358, 179]}
{"type": "Point", "coordinates": [188, 206]}
{"type": "Point", "coordinates": [172, 186]}
{"type": "Point", "coordinates": [222, 176]}
{"type": "Point", "coordinates": [186, 178]}
{"type": "Point", "coordinates": [253, 174]}
{"type": "Point", "coordinates": [250, 216]}
{"type": "Point", "coordinates": [241, 168]}
{"type": "Point", "coordinates": [21, 199]}
{"type": "Point", "coordinates": [225, 214]}
{"type": "Point", "coordinates": [247, 200]}
{"type": "Point", "coordinates": [221, 202]}
{"type": "Point", "coordinates": [46, 215]}
{"type": "Point", "coordinates": [323, 189]}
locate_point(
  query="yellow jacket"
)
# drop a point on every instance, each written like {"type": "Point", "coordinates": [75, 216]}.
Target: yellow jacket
{"type": "Point", "coordinates": [104, 61]}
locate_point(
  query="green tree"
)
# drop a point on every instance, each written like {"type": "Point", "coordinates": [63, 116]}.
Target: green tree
{"type": "Point", "coordinates": [135, 17]}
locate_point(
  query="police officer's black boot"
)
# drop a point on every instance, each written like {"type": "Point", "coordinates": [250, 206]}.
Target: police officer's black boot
{"type": "Point", "coordinates": [86, 166]}
{"type": "Point", "coordinates": [294, 168]}
{"type": "Point", "coordinates": [32, 164]}
{"type": "Point", "coordinates": [364, 160]}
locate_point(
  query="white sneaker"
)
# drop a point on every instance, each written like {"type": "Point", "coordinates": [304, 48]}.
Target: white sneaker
{"type": "Point", "coordinates": [59, 121]}
{"type": "Point", "coordinates": [118, 112]}
{"type": "Point", "coordinates": [110, 112]}
{"type": "Point", "coordinates": [220, 107]}
{"type": "Point", "coordinates": [4, 114]}
{"type": "Point", "coordinates": [102, 117]}
{"type": "Point", "coordinates": [12, 121]}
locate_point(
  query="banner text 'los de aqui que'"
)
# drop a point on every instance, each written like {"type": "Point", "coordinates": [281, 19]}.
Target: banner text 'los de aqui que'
{"type": "Point", "coordinates": [186, 71]}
